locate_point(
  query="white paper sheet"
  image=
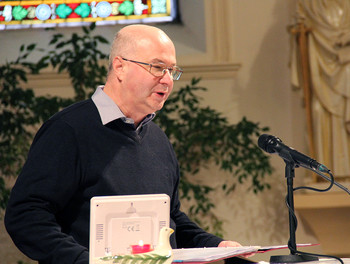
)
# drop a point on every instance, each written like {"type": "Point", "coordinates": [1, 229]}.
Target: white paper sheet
{"type": "Point", "coordinates": [210, 253]}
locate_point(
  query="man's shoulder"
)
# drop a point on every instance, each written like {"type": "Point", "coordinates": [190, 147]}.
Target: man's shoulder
{"type": "Point", "coordinates": [157, 134]}
{"type": "Point", "coordinates": [79, 120]}
{"type": "Point", "coordinates": [80, 112]}
{"type": "Point", "coordinates": [155, 128]}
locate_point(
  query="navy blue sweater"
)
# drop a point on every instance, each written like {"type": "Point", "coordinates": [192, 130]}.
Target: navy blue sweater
{"type": "Point", "coordinates": [75, 157]}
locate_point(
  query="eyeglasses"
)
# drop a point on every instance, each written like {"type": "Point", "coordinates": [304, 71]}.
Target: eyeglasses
{"type": "Point", "coordinates": [159, 70]}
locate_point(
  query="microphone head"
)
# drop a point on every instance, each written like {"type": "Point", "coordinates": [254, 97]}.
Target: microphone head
{"type": "Point", "coordinates": [268, 143]}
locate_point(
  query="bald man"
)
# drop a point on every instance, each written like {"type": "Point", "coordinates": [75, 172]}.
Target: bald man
{"type": "Point", "coordinates": [106, 145]}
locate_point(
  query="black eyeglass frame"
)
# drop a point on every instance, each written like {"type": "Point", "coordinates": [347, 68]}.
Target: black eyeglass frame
{"type": "Point", "coordinates": [175, 71]}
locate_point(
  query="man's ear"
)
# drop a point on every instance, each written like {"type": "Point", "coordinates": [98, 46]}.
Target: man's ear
{"type": "Point", "coordinates": [118, 67]}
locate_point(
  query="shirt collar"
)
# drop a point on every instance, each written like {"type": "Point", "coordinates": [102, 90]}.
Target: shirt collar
{"type": "Point", "coordinates": [109, 110]}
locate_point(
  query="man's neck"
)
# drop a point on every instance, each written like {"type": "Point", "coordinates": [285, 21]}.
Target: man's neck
{"type": "Point", "coordinates": [125, 109]}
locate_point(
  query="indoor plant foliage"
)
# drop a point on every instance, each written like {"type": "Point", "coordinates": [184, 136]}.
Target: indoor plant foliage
{"type": "Point", "coordinates": [200, 135]}
{"type": "Point", "coordinates": [20, 113]}
{"type": "Point", "coordinates": [81, 58]}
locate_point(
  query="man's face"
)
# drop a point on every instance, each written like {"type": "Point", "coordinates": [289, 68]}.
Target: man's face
{"type": "Point", "coordinates": [145, 92]}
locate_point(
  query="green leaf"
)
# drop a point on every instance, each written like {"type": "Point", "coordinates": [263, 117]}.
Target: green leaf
{"type": "Point", "coordinates": [92, 26]}
{"type": "Point", "coordinates": [31, 47]}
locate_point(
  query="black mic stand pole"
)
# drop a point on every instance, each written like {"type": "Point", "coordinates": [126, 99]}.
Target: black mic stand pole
{"type": "Point", "coordinates": [293, 257]}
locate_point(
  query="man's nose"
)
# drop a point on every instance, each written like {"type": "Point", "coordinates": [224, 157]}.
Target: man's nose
{"type": "Point", "coordinates": [167, 76]}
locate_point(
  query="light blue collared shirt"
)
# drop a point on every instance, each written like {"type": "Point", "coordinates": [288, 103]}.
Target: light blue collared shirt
{"type": "Point", "coordinates": [109, 110]}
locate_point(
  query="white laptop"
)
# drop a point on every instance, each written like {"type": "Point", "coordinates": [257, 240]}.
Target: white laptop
{"type": "Point", "coordinates": [117, 222]}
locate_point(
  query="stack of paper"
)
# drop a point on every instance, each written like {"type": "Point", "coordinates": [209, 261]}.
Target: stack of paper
{"type": "Point", "coordinates": [210, 254]}
{"type": "Point", "coordinates": [216, 253]}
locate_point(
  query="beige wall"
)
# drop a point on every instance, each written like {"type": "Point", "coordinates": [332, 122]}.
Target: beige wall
{"type": "Point", "coordinates": [241, 50]}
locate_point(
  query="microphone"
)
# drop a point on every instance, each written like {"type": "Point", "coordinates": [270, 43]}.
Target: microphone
{"type": "Point", "coordinates": [272, 144]}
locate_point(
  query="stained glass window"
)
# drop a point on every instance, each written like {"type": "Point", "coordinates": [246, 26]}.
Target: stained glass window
{"type": "Point", "coordinates": [50, 13]}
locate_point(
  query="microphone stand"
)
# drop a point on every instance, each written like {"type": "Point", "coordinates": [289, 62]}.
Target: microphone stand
{"type": "Point", "coordinates": [293, 257]}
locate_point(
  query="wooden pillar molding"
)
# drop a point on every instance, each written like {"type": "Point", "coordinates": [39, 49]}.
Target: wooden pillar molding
{"type": "Point", "coordinates": [328, 217]}
{"type": "Point", "coordinates": [218, 58]}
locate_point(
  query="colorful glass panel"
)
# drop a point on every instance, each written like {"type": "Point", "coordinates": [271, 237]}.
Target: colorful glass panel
{"type": "Point", "coordinates": [49, 13]}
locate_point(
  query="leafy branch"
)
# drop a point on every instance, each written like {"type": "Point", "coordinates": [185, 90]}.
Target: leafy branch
{"type": "Point", "coordinates": [81, 57]}
{"type": "Point", "coordinates": [138, 258]}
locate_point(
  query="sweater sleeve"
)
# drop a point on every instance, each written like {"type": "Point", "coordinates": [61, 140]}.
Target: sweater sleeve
{"type": "Point", "coordinates": [188, 234]}
{"type": "Point", "coordinates": [44, 187]}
